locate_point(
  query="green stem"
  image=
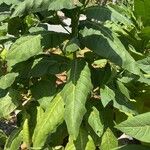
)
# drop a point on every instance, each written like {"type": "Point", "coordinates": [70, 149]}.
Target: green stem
{"type": "Point", "coordinates": [75, 22]}
{"type": "Point", "coordinates": [74, 25]}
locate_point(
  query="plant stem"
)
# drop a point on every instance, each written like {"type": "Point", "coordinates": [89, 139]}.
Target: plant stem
{"type": "Point", "coordinates": [75, 22]}
{"type": "Point", "coordinates": [74, 25]}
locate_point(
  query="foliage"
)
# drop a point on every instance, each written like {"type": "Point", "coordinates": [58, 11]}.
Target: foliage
{"type": "Point", "coordinates": [78, 90]}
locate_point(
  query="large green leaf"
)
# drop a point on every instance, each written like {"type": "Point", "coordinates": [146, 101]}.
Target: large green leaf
{"type": "Point", "coordinates": [14, 140]}
{"type": "Point", "coordinates": [8, 102]}
{"type": "Point", "coordinates": [51, 39]}
{"type": "Point", "coordinates": [106, 13]}
{"type": "Point", "coordinates": [109, 141]}
{"type": "Point", "coordinates": [7, 80]}
{"type": "Point", "coordinates": [107, 45]}
{"type": "Point", "coordinates": [28, 6]}
{"type": "Point", "coordinates": [75, 94]}
{"type": "Point", "coordinates": [53, 64]}
{"type": "Point", "coordinates": [95, 121]}
{"type": "Point", "coordinates": [24, 48]}
{"type": "Point", "coordinates": [132, 147]}
{"type": "Point", "coordinates": [49, 121]}
{"type": "Point", "coordinates": [83, 142]}
{"type": "Point", "coordinates": [142, 10]}
{"type": "Point", "coordinates": [137, 127]}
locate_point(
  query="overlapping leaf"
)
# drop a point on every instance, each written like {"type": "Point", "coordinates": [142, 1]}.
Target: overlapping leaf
{"type": "Point", "coordinates": [52, 117]}
{"type": "Point", "coordinates": [120, 101]}
{"type": "Point", "coordinates": [137, 127]}
{"type": "Point", "coordinates": [144, 64]}
{"type": "Point", "coordinates": [39, 5]}
{"type": "Point", "coordinates": [83, 142]}
{"type": "Point", "coordinates": [14, 140]}
{"type": "Point", "coordinates": [107, 45]}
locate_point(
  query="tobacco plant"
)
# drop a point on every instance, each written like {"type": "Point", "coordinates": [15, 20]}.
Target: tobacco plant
{"type": "Point", "coordinates": [77, 86]}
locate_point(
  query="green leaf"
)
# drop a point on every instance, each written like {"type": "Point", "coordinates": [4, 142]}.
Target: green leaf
{"type": "Point", "coordinates": [39, 115]}
{"type": "Point", "coordinates": [24, 48]}
{"type": "Point", "coordinates": [120, 101]}
{"type": "Point", "coordinates": [44, 91]}
{"type": "Point", "coordinates": [7, 80]}
{"type": "Point", "coordinates": [141, 8]}
{"type": "Point", "coordinates": [3, 138]}
{"type": "Point", "coordinates": [106, 13]}
{"type": "Point", "coordinates": [25, 130]}
{"type": "Point", "coordinates": [58, 137]}
{"type": "Point", "coordinates": [132, 147]}
{"type": "Point", "coordinates": [72, 46]}
{"type": "Point", "coordinates": [109, 141]}
{"type": "Point", "coordinates": [107, 45]}
{"type": "Point", "coordinates": [51, 39]}
{"type": "Point", "coordinates": [137, 127]}
{"type": "Point", "coordinates": [52, 64]}
{"type": "Point", "coordinates": [29, 6]}
{"type": "Point", "coordinates": [83, 142]}
{"type": "Point", "coordinates": [107, 95]}
{"type": "Point", "coordinates": [95, 121]}
{"type": "Point", "coordinates": [75, 95]}
{"type": "Point", "coordinates": [14, 140]}
{"type": "Point", "coordinates": [144, 64]}
{"type": "Point", "coordinates": [8, 102]}
{"type": "Point", "coordinates": [145, 33]}
{"type": "Point", "coordinates": [123, 89]}
{"type": "Point", "coordinates": [49, 121]}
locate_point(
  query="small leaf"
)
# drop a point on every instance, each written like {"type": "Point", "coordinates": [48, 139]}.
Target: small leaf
{"type": "Point", "coordinates": [107, 95]}
{"type": "Point", "coordinates": [72, 46]}
{"type": "Point", "coordinates": [99, 63]}
{"type": "Point", "coordinates": [95, 121]}
{"type": "Point", "coordinates": [137, 127]}
{"type": "Point", "coordinates": [25, 131]}
{"type": "Point", "coordinates": [7, 80]}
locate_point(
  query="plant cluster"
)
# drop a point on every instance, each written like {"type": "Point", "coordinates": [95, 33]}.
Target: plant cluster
{"type": "Point", "coordinates": [80, 88]}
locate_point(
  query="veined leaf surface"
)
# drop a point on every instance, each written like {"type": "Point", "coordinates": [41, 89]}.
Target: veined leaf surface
{"type": "Point", "coordinates": [137, 127]}
{"type": "Point", "coordinates": [75, 94]}
{"type": "Point", "coordinates": [52, 117]}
